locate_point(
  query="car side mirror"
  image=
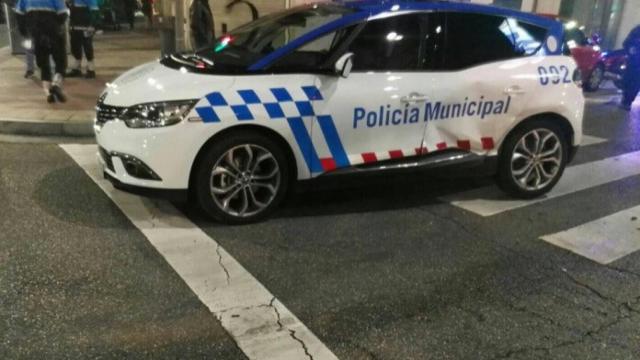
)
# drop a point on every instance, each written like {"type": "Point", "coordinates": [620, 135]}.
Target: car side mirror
{"type": "Point", "coordinates": [344, 65]}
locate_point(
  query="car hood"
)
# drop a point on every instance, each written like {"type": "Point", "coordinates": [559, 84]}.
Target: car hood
{"type": "Point", "coordinates": [154, 82]}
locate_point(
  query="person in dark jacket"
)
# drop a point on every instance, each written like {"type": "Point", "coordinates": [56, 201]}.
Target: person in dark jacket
{"type": "Point", "coordinates": [202, 27]}
{"type": "Point", "coordinates": [130, 8]}
{"type": "Point", "coordinates": [632, 74]}
{"type": "Point", "coordinates": [147, 10]}
{"type": "Point", "coordinates": [82, 27]}
{"type": "Point", "coordinates": [43, 21]}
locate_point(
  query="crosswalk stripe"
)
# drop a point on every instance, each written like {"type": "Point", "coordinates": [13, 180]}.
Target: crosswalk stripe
{"type": "Point", "coordinates": [260, 324]}
{"type": "Point", "coordinates": [588, 140]}
{"type": "Point", "coordinates": [604, 240]}
{"type": "Point", "coordinates": [614, 99]}
{"type": "Point", "coordinates": [489, 201]}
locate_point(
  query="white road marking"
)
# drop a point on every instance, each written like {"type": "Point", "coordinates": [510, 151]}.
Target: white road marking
{"type": "Point", "coordinates": [489, 201]}
{"type": "Point", "coordinates": [614, 99]}
{"type": "Point", "coordinates": [588, 140]}
{"type": "Point", "coordinates": [604, 240]}
{"type": "Point", "coordinates": [260, 324]}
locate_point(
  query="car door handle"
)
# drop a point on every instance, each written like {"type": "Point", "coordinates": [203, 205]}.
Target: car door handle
{"type": "Point", "coordinates": [514, 90]}
{"type": "Point", "coordinates": [414, 98]}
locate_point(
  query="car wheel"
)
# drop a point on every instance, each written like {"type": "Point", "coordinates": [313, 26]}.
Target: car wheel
{"type": "Point", "coordinates": [533, 159]}
{"type": "Point", "coordinates": [242, 178]}
{"type": "Point", "coordinates": [595, 80]}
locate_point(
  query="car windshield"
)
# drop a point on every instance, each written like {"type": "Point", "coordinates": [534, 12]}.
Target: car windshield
{"type": "Point", "coordinates": [247, 44]}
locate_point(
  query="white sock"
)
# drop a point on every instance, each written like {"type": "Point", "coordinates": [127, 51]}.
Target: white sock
{"type": "Point", "coordinates": [91, 66]}
{"type": "Point", "coordinates": [45, 86]}
{"type": "Point", "coordinates": [77, 64]}
{"type": "Point", "coordinates": [57, 79]}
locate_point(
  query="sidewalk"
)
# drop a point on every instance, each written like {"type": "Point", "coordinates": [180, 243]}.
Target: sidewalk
{"type": "Point", "coordinates": [4, 36]}
{"type": "Point", "coordinates": [24, 110]}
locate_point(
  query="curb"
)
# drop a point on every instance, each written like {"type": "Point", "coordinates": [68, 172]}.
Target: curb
{"type": "Point", "coordinates": [46, 128]}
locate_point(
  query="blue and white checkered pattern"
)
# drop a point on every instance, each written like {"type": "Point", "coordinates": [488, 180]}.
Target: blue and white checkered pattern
{"type": "Point", "coordinates": [290, 105]}
{"type": "Point", "coordinates": [248, 105]}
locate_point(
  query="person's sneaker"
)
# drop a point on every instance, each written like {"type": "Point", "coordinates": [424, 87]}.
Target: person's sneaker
{"type": "Point", "coordinates": [74, 73]}
{"type": "Point", "coordinates": [28, 74]}
{"type": "Point", "coordinates": [56, 91]}
{"type": "Point", "coordinates": [90, 74]}
{"type": "Point", "coordinates": [51, 99]}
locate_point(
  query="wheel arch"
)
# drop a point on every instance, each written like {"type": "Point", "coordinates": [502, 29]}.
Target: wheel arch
{"type": "Point", "coordinates": [263, 130]}
{"type": "Point", "coordinates": [562, 121]}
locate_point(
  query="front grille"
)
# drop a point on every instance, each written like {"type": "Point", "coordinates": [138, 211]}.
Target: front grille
{"type": "Point", "coordinates": [106, 113]}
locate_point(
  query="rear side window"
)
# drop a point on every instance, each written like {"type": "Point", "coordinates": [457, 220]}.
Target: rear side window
{"type": "Point", "coordinates": [474, 39]}
{"type": "Point", "coordinates": [527, 38]}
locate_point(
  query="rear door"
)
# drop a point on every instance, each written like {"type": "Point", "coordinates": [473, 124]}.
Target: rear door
{"type": "Point", "coordinates": [484, 82]}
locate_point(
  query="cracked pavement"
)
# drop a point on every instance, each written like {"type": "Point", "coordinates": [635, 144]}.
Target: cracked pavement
{"type": "Point", "coordinates": [375, 267]}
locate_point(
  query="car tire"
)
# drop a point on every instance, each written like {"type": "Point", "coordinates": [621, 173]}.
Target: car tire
{"type": "Point", "coordinates": [595, 80]}
{"type": "Point", "coordinates": [528, 169]}
{"type": "Point", "coordinates": [242, 178]}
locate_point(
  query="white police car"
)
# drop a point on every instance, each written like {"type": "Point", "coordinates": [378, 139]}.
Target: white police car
{"type": "Point", "coordinates": [342, 87]}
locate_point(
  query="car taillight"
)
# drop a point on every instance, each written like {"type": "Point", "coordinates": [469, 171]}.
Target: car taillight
{"type": "Point", "coordinates": [577, 77]}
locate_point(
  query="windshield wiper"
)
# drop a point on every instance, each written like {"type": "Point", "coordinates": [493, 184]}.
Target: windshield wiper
{"type": "Point", "coordinates": [192, 59]}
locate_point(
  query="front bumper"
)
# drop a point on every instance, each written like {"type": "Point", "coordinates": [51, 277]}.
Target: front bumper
{"type": "Point", "coordinates": [165, 154]}
{"type": "Point", "coordinates": [166, 194]}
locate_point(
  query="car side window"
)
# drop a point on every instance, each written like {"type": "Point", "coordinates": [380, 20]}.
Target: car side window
{"type": "Point", "coordinates": [433, 41]}
{"type": "Point", "coordinates": [388, 44]}
{"type": "Point", "coordinates": [527, 38]}
{"type": "Point", "coordinates": [312, 56]}
{"type": "Point", "coordinates": [473, 39]}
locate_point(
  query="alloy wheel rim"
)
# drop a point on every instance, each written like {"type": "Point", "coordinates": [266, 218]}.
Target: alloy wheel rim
{"type": "Point", "coordinates": [536, 159]}
{"type": "Point", "coordinates": [245, 180]}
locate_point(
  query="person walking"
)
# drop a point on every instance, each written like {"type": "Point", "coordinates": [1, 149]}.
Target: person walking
{"type": "Point", "coordinates": [43, 21]}
{"type": "Point", "coordinates": [147, 10]}
{"type": "Point", "coordinates": [82, 27]}
{"type": "Point", "coordinates": [202, 27]}
{"type": "Point", "coordinates": [130, 8]}
{"type": "Point", "coordinates": [632, 73]}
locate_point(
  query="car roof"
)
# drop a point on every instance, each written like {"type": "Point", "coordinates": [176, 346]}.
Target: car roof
{"type": "Point", "coordinates": [364, 9]}
{"type": "Point", "coordinates": [374, 7]}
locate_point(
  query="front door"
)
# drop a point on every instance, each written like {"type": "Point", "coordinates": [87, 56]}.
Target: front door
{"type": "Point", "coordinates": [375, 114]}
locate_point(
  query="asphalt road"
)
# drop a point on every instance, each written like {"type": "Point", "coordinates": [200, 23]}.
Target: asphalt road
{"type": "Point", "coordinates": [376, 268]}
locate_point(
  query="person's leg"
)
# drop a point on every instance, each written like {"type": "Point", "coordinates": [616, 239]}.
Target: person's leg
{"type": "Point", "coordinates": [88, 52]}
{"type": "Point", "coordinates": [76, 51]}
{"type": "Point", "coordinates": [634, 91]}
{"type": "Point", "coordinates": [132, 18]}
{"type": "Point", "coordinates": [30, 60]}
{"type": "Point", "coordinates": [59, 52]}
{"type": "Point", "coordinates": [42, 59]}
{"type": "Point", "coordinates": [631, 84]}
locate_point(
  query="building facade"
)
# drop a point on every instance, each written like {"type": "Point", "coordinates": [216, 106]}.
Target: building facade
{"type": "Point", "coordinates": [611, 19]}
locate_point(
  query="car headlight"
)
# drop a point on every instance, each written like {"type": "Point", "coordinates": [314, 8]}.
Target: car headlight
{"type": "Point", "coordinates": [158, 114]}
